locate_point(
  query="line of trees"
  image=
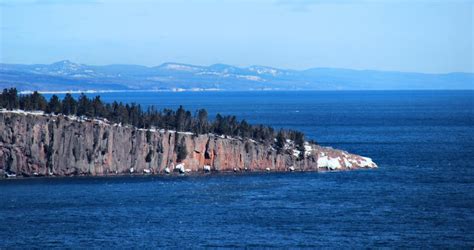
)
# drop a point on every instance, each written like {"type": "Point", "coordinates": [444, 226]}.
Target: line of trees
{"type": "Point", "coordinates": [133, 114]}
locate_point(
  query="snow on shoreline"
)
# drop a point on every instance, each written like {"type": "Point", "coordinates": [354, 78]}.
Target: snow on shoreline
{"type": "Point", "coordinates": [92, 91]}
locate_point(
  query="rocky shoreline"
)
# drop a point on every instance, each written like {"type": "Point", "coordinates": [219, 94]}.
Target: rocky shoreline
{"type": "Point", "coordinates": [37, 144]}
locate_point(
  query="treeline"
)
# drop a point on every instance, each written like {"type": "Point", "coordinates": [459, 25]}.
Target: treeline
{"type": "Point", "coordinates": [133, 114]}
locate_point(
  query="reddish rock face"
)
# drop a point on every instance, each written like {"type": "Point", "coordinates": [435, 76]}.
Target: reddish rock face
{"type": "Point", "coordinates": [33, 144]}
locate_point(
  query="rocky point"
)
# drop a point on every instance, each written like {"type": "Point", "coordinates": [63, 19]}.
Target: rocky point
{"type": "Point", "coordinates": [36, 144]}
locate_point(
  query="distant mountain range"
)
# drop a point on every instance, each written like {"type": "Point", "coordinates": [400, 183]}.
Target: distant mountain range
{"type": "Point", "coordinates": [70, 76]}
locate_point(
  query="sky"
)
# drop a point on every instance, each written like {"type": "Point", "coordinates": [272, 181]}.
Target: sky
{"type": "Point", "coordinates": [431, 36]}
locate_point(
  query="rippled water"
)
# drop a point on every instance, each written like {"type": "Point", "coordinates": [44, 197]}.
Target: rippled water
{"type": "Point", "coordinates": [421, 196]}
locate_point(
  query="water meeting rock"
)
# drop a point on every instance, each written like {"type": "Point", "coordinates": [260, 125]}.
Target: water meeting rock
{"type": "Point", "coordinates": [34, 144]}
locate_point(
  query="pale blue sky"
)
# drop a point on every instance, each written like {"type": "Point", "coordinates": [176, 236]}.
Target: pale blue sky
{"type": "Point", "coordinates": [422, 35]}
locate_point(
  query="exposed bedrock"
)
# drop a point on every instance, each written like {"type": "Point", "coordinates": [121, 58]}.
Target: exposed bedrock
{"type": "Point", "coordinates": [35, 144]}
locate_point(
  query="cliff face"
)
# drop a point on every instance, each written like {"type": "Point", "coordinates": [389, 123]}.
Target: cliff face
{"type": "Point", "coordinates": [35, 144]}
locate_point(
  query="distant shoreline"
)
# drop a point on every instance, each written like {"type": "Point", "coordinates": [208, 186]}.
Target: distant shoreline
{"type": "Point", "coordinates": [70, 77]}
{"type": "Point", "coordinates": [91, 91]}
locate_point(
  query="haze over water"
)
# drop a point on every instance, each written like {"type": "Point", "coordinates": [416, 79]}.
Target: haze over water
{"type": "Point", "coordinates": [421, 195]}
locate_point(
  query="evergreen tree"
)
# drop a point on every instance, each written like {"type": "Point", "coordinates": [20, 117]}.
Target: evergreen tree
{"type": "Point", "coordinates": [135, 113]}
{"type": "Point", "coordinates": [299, 140]}
{"type": "Point", "coordinates": [10, 99]}
{"type": "Point", "coordinates": [202, 125]}
{"type": "Point", "coordinates": [54, 105]}
{"type": "Point", "coordinates": [280, 141]}
{"type": "Point", "coordinates": [219, 126]}
{"type": "Point", "coordinates": [84, 106]}
{"type": "Point", "coordinates": [98, 107]}
{"type": "Point", "coordinates": [188, 121]}
{"type": "Point", "coordinates": [169, 119]}
{"type": "Point", "coordinates": [3, 98]}
{"type": "Point", "coordinates": [180, 118]}
{"type": "Point", "coordinates": [25, 102]}
{"type": "Point", "coordinates": [122, 113]}
{"type": "Point", "coordinates": [245, 130]}
{"type": "Point", "coordinates": [13, 99]}
{"type": "Point", "coordinates": [38, 102]}
{"type": "Point", "coordinates": [69, 105]}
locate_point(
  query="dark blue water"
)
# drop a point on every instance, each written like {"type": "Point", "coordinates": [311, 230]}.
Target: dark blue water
{"type": "Point", "coordinates": [421, 196]}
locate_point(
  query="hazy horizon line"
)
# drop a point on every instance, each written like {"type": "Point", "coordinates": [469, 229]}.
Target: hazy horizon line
{"type": "Point", "coordinates": [242, 67]}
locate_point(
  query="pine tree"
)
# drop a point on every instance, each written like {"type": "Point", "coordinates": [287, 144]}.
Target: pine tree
{"type": "Point", "coordinates": [180, 118]}
{"type": "Point", "coordinates": [54, 105]}
{"type": "Point", "coordinates": [299, 140]}
{"type": "Point", "coordinates": [188, 121]}
{"type": "Point", "coordinates": [216, 126]}
{"type": "Point", "coordinates": [134, 112]}
{"type": "Point", "coordinates": [69, 105]}
{"type": "Point", "coordinates": [202, 125]}
{"type": "Point", "coordinates": [98, 107]}
{"type": "Point", "coordinates": [280, 141]}
{"type": "Point", "coordinates": [3, 98]}
{"type": "Point", "coordinates": [122, 113]}
{"type": "Point", "coordinates": [245, 130]}
{"type": "Point", "coordinates": [38, 102]}
{"type": "Point", "coordinates": [84, 106]}
{"type": "Point", "coordinates": [12, 99]}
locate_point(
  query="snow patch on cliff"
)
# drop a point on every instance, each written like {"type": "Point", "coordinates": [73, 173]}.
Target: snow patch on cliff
{"type": "Point", "coordinates": [329, 163]}
{"type": "Point", "coordinates": [22, 112]}
{"type": "Point", "coordinates": [296, 152]}
{"type": "Point", "coordinates": [186, 133]}
{"type": "Point", "coordinates": [308, 149]}
{"type": "Point", "coordinates": [367, 162]}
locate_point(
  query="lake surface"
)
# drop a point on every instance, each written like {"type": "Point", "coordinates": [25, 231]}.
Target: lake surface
{"type": "Point", "coordinates": [422, 195]}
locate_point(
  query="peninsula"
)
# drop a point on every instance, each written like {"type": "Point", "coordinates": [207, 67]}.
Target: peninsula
{"type": "Point", "coordinates": [86, 137]}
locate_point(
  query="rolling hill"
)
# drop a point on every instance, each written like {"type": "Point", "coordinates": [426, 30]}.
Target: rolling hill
{"type": "Point", "coordinates": [70, 76]}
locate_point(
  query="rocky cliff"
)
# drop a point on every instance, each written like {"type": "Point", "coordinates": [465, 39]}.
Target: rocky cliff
{"type": "Point", "coordinates": [34, 144]}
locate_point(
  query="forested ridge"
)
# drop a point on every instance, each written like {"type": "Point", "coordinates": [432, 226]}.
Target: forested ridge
{"type": "Point", "coordinates": [151, 117]}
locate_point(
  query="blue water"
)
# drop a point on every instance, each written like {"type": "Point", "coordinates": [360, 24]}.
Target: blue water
{"type": "Point", "coordinates": [421, 196]}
